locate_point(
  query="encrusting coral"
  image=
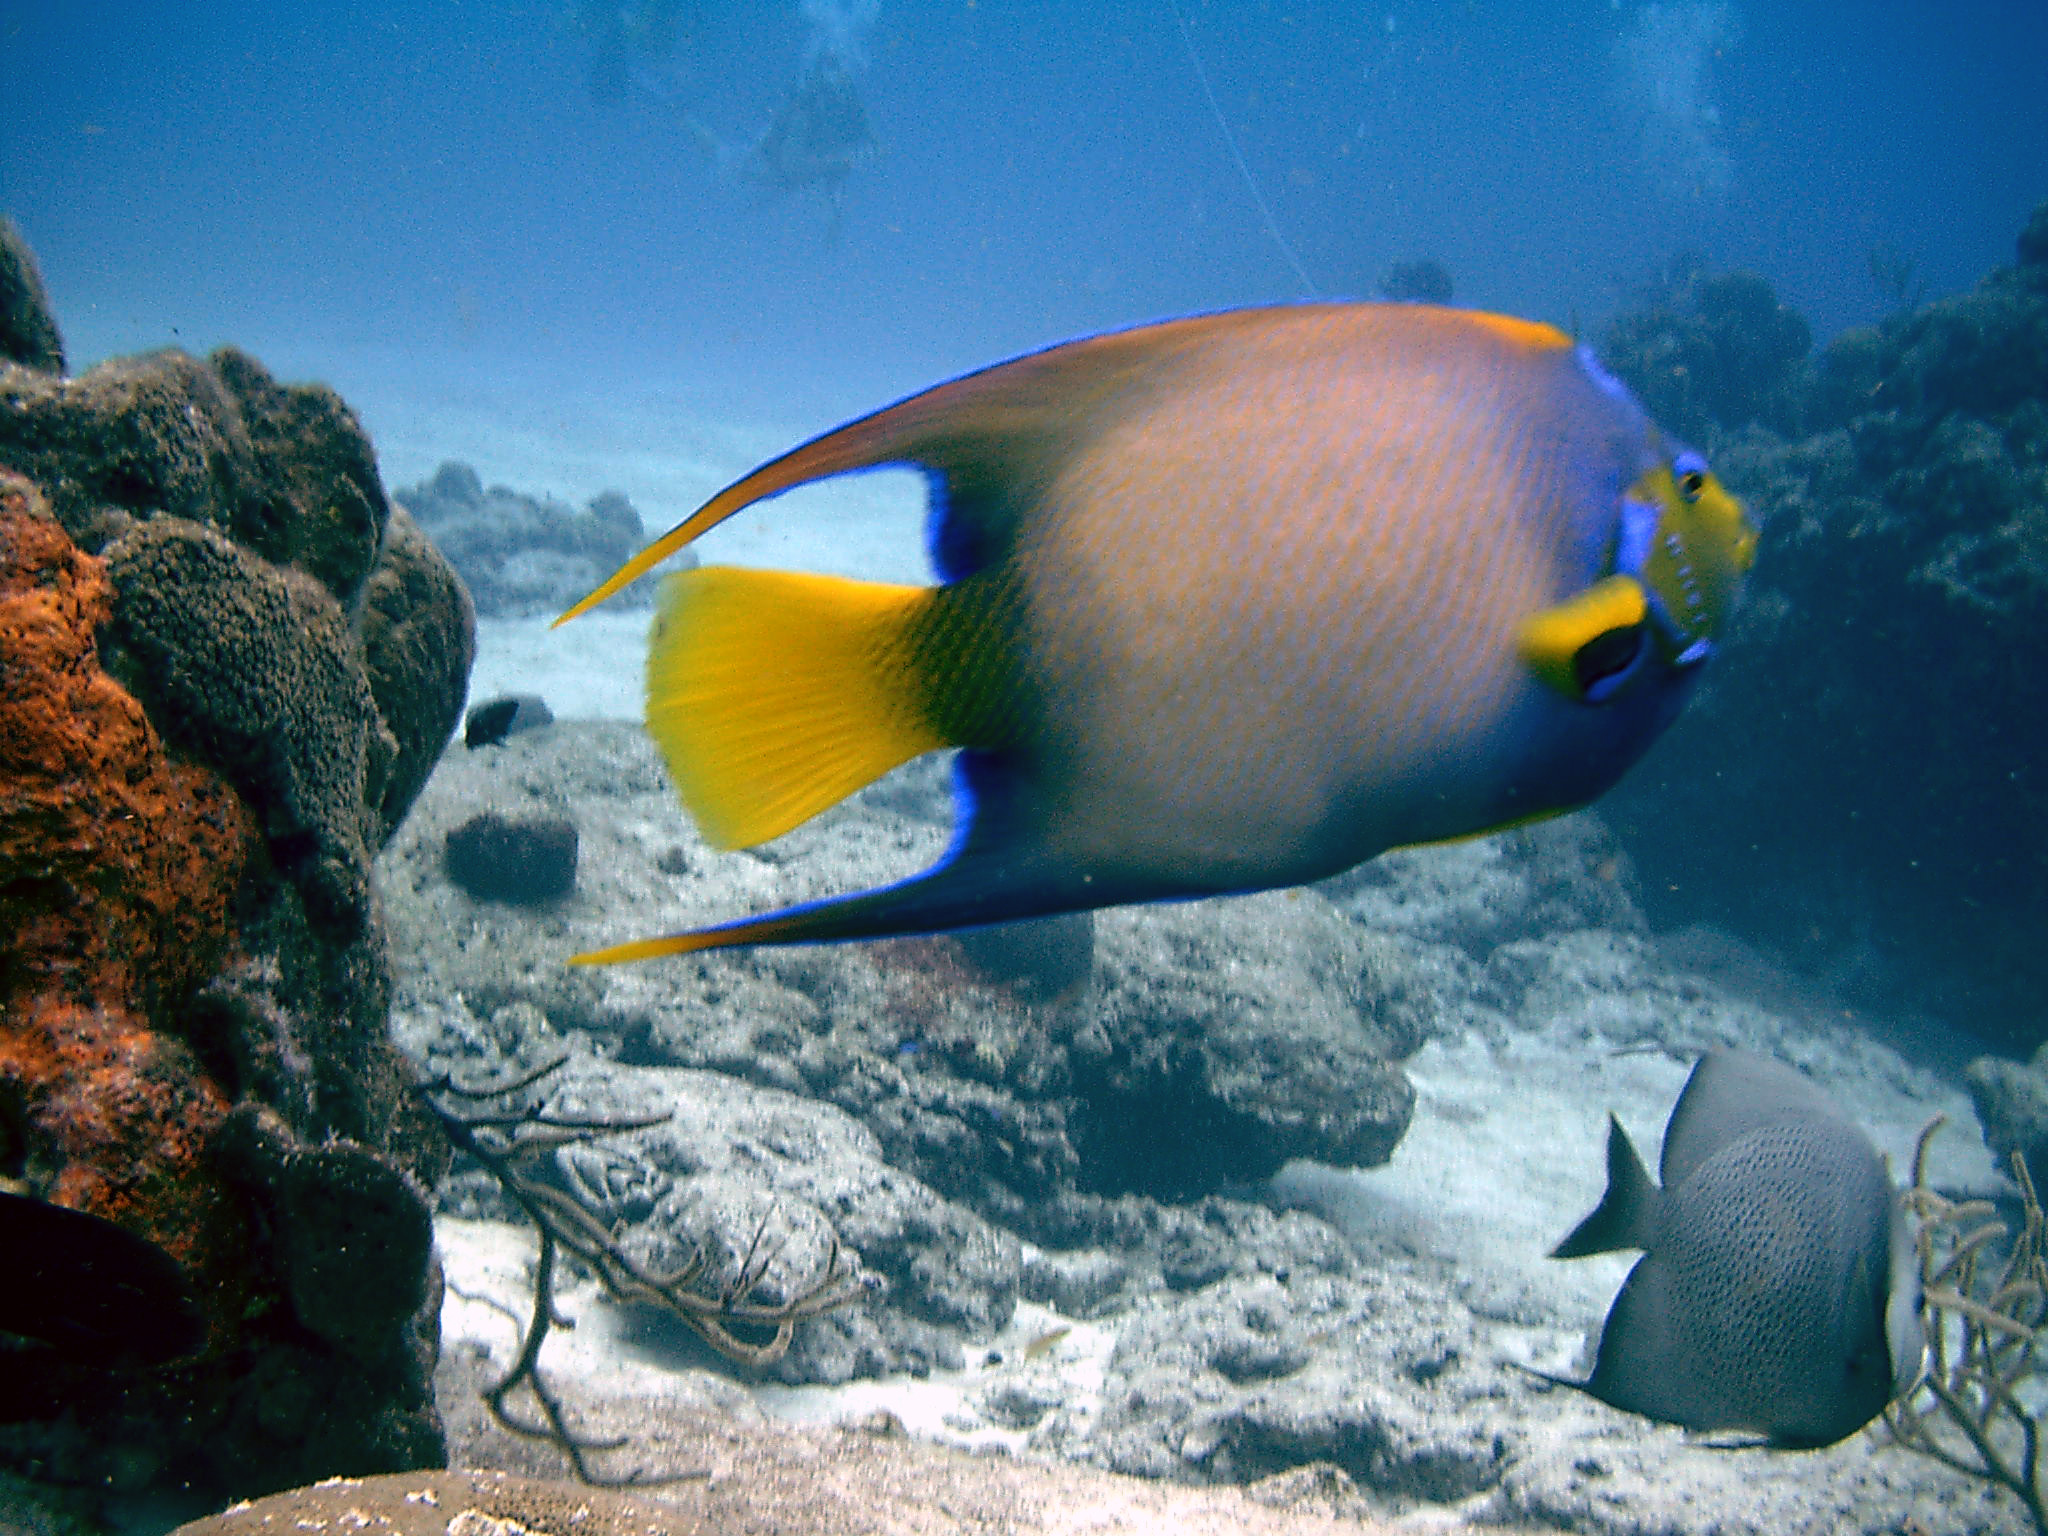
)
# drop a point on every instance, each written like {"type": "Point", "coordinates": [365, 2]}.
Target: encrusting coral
{"type": "Point", "coordinates": [121, 866]}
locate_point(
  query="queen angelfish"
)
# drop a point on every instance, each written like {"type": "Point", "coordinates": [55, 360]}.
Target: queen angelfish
{"type": "Point", "coordinates": [1226, 603]}
{"type": "Point", "coordinates": [1778, 1293]}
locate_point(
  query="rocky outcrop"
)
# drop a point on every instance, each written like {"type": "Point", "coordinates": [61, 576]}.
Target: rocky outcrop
{"type": "Point", "coordinates": [522, 556]}
{"type": "Point", "coordinates": [2011, 1099]}
{"type": "Point", "coordinates": [1712, 350]}
{"type": "Point", "coordinates": [228, 670]}
{"type": "Point", "coordinates": [28, 331]}
{"type": "Point", "coordinates": [1116, 1084]}
{"type": "Point", "coordinates": [1199, 1049]}
{"type": "Point", "coordinates": [850, 1482]}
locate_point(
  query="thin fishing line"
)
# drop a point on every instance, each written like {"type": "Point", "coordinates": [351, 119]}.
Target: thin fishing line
{"type": "Point", "coordinates": [1251, 182]}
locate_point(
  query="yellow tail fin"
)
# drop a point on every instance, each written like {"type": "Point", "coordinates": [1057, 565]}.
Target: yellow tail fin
{"type": "Point", "coordinates": [775, 694]}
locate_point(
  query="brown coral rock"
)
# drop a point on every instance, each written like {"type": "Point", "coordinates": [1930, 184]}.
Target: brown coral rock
{"type": "Point", "coordinates": [28, 333]}
{"type": "Point", "coordinates": [157, 966]}
{"type": "Point", "coordinates": [417, 631]}
{"type": "Point", "coordinates": [283, 470]}
{"type": "Point", "coordinates": [782, 1482]}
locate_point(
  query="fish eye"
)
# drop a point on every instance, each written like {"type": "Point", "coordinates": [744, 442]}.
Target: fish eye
{"type": "Point", "coordinates": [1689, 470]}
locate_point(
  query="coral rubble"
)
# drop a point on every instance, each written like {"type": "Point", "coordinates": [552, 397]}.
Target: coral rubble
{"type": "Point", "coordinates": [528, 859]}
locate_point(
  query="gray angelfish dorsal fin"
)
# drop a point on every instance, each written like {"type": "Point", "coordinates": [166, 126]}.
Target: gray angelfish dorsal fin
{"type": "Point", "coordinates": [1627, 1214]}
{"type": "Point", "coordinates": [1729, 1095]}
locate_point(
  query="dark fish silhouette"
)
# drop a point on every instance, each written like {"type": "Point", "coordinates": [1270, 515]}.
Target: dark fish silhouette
{"type": "Point", "coordinates": [1777, 1293]}
{"type": "Point", "coordinates": [819, 137]}
{"type": "Point", "coordinates": [93, 1290]}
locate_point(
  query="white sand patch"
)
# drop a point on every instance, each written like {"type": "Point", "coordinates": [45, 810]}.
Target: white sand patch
{"type": "Point", "coordinates": [593, 669]}
{"type": "Point", "coordinates": [946, 1406]}
{"type": "Point", "coordinates": [1507, 1152]}
{"type": "Point", "coordinates": [488, 1267]}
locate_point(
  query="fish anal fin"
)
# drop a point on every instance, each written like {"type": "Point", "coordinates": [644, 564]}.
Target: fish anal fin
{"type": "Point", "coordinates": [997, 870]}
{"type": "Point", "coordinates": [1627, 1213]}
{"type": "Point", "coordinates": [1643, 1365]}
{"type": "Point", "coordinates": [773, 695]}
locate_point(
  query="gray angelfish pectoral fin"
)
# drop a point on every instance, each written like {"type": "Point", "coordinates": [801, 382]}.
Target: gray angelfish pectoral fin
{"type": "Point", "coordinates": [996, 871]}
{"type": "Point", "coordinates": [1626, 1215]}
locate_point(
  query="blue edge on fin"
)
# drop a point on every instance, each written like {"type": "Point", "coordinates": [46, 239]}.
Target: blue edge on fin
{"type": "Point", "coordinates": [978, 880]}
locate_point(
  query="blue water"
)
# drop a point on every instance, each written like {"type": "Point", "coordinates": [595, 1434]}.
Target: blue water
{"type": "Point", "coordinates": [358, 192]}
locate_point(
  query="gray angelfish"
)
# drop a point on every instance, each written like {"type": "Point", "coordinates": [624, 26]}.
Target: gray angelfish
{"type": "Point", "coordinates": [1778, 1292]}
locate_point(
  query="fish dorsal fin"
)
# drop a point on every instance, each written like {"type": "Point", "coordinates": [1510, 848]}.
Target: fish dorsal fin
{"type": "Point", "coordinates": [991, 440]}
{"type": "Point", "coordinates": [1626, 1216]}
{"type": "Point", "coordinates": [1732, 1094]}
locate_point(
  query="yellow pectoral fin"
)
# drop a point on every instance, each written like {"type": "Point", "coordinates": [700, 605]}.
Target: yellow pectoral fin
{"type": "Point", "coordinates": [1588, 637]}
{"type": "Point", "coordinates": [774, 695]}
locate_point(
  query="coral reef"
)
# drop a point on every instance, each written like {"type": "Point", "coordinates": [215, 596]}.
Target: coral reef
{"type": "Point", "coordinates": [2011, 1099]}
{"type": "Point", "coordinates": [28, 332]}
{"type": "Point", "coordinates": [1711, 349]}
{"type": "Point", "coordinates": [1984, 1303]}
{"type": "Point", "coordinates": [1424, 280]}
{"type": "Point", "coordinates": [520, 556]}
{"type": "Point", "coordinates": [1857, 784]}
{"type": "Point", "coordinates": [1096, 1132]}
{"type": "Point", "coordinates": [228, 670]}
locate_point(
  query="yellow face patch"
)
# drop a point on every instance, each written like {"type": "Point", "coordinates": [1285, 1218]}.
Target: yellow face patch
{"type": "Point", "coordinates": [1701, 549]}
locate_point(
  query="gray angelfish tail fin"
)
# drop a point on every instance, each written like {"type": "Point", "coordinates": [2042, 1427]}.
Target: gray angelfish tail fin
{"type": "Point", "coordinates": [1626, 1215]}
